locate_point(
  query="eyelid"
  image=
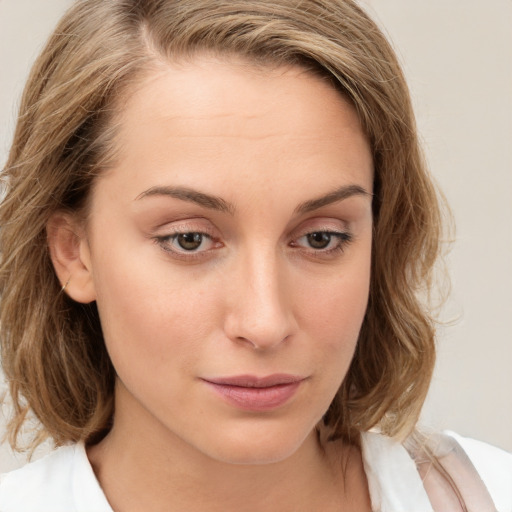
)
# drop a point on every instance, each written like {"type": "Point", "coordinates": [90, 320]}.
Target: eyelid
{"type": "Point", "coordinates": [183, 223]}
{"type": "Point", "coordinates": [322, 224]}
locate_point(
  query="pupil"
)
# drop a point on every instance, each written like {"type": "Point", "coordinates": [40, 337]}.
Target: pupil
{"type": "Point", "coordinates": [190, 241]}
{"type": "Point", "coordinates": [319, 240]}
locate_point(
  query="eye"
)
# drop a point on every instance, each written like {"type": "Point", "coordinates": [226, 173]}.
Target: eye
{"type": "Point", "coordinates": [189, 241]}
{"type": "Point", "coordinates": [186, 242]}
{"type": "Point", "coordinates": [319, 240]}
{"type": "Point", "coordinates": [323, 241]}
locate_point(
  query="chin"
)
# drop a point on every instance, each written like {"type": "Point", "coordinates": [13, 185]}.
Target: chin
{"type": "Point", "coordinates": [261, 446]}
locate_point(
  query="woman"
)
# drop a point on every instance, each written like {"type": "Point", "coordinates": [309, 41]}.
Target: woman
{"type": "Point", "coordinates": [216, 222]}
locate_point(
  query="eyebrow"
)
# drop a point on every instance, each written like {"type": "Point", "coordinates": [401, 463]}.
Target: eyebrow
{"type": "Point", "coordinates": [192, 196]}
{"type": "Point", "coordinates": [332, 197]}
{"type": "Point", "coordinates": [217, 203]}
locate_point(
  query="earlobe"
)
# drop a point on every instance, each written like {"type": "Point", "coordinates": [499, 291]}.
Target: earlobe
{"type": "Point", "coordinates": [70, 255]}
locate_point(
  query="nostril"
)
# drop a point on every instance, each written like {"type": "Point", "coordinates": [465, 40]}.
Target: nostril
{"type": "Point", "coordinates": [260, 344]}
{"type": "Point", "coordinates": [263, 329]}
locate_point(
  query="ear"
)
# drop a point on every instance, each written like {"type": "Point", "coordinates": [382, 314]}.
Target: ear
{"type": "Point", "coordinates": [70, 255]}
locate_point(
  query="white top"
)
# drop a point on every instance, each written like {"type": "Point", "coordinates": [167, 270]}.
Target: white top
{"type": "Point", "coordinates": [64, 481]}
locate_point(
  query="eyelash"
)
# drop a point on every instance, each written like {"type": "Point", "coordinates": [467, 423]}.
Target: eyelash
{"type": "Point", "coordinates": [165, 243]}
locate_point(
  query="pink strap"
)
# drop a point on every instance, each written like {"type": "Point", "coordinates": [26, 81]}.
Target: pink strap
{"type": "Point", "coordinates": [449, 477]}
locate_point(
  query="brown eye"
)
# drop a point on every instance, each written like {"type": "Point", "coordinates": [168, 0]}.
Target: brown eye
{"type": "Point", "coordinates": [189, 241]}
{"type": "Point", "coordinates": [319, 240]}
{"type": "Point", "coordinates": [323, 243]}
{"type": "Point", "coordinates": [188, 244]}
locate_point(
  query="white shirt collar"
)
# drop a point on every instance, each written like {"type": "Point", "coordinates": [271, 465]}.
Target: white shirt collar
{"type": "Point", "coordinates": [393, 480]}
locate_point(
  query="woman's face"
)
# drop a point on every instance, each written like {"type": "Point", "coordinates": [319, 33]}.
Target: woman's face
{"type": "Point", "coordinates": [229, 251]}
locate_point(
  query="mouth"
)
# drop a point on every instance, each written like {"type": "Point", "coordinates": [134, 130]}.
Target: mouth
{"type": "Point", "coordinates": [256, 394]}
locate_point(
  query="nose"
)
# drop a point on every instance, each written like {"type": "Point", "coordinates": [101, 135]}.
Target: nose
{"type": "Point", "coordinates": [260, 311]}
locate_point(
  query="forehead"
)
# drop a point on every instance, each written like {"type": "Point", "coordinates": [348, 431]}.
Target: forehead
{"type": "Point", "coordinates": [202, 87]}
{"type": "Point", "coordinates": [207, 118]}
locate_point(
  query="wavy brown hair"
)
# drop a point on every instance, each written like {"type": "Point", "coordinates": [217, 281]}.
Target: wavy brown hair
{"type": "Point", "coordinates": [53, 353]}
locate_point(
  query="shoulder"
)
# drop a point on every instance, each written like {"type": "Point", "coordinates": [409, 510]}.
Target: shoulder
{"type": "Point", "coordinates": [393, 479]}
{"type": "Point", "coordinates": [55, 483]}
{"type": "Point", "coordinates": [396, 481]}
{"type": "Point", "coordinates": [494, 467]}
{"type": "Point", "coordinates": [41, 484]}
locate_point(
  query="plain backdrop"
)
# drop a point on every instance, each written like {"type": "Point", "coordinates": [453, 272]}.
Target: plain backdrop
{"type": "Point", "coordinates": [457, 55]}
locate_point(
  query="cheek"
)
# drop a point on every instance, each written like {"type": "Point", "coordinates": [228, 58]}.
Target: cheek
{"type": "Point", "coordinates": [149, 314]}
{"type": "Point", "coordinates": [332, 315]}
{"type": "Point", "coordinates": [336, 307]}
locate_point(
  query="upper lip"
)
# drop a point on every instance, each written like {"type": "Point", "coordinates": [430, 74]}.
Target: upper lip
{"type": "Point", "coordinates": [253, 381]}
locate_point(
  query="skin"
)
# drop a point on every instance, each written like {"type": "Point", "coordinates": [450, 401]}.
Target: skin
{"type": "Point", "coordinates": [254, 297]}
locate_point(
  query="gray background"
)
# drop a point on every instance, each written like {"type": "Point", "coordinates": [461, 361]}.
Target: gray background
{"type": "Point", "coordinates": [457, 55]}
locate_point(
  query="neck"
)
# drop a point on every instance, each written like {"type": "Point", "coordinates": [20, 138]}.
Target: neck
{"type": "Point", "coordinates": [152, 469]}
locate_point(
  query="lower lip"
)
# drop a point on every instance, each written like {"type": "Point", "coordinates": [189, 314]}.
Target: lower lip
{"type": "Point", "coordinates": [256, 399]}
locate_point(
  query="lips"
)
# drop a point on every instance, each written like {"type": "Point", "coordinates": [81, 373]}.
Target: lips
{"type": "Point", "coordinates": [253, 393]}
